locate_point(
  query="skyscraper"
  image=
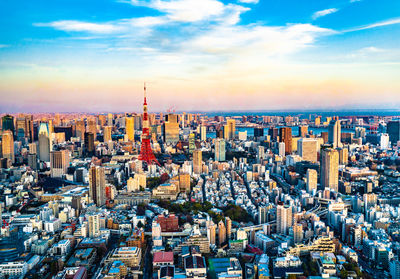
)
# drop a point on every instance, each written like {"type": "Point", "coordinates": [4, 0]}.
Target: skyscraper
{"type": "Point", "coordinates": [330, 169]}
{"type": "Point", "coordinates": [59, 161]}
{"type": "Point", "coordinates": [94, 224]}
{"type": "Point", "coordinates": [307, 149]}
{"type": "Point", "coordinates": [211, 233]}
{"type": "Point", "coordinates": [228, 226]}
{"type": "Point", "coordinates": [312, 180]}
{"type": "Point", "coordinates": [393, 129]}
{"type": "Point", "coordinates": [230, 129]}
{"type": "Point", "coordinates": [285, 135]}
{"type": "Point", "coordinates": [7, 123]}
{"type": "Point", "coordinates": [262, 214]}
{"type": "Point", "coordinates": [92, 127]}
{"type": "Point", "coordinates": [7, 146]}
{"type": "Point", "coordinates": [297, 233]}
{"type": "Point", "coordinates": [219, 150]}
{"type": "Point", "coordinates": [221, 233]}
{"type": "Point", "coordinates": [203, 133]}
{"type": "Point", "coordinates": [44, 142]}
{"type": "Point", "coordinates": [130, 128]}
{"type": "Point", "coordinates": [284, 218]}
{"type": "Point", "coordinates": [171, 129]}
{"type": "Point", "coordinates": [107, 133]}
{"type": "Point", "coordinates": [197, 162]}
{"type": "Point", "coordinates": [80, 129]}
{"type": "Point", "coordinates": [97, 185]}
{"type": "Point", "coordinates": [334, 133]}
{"type": "Point", "coordinates": [303, 131]}
{"type": "Point", "coordinates": [89, 143]}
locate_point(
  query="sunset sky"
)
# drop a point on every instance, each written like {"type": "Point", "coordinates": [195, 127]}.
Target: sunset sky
{"type": "Point", "coordinates": [199, 55]}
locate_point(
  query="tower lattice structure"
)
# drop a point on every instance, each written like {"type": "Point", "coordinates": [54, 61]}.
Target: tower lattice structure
{"type": "Point", "coordinates": [146, 153]}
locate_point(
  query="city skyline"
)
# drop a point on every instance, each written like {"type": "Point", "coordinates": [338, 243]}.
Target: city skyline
{"type": "Point", "coordinates": [204, 55]}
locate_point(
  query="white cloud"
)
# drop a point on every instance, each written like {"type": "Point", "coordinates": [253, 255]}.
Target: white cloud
{"type": "Point", "coordinates": [249, 1]}
{"type": "Point", "coordinates": [324, 13]}
{"type": "Point", "coordinates": [80, 26]}
{"type": "Point", "coordinates": [377, 24]}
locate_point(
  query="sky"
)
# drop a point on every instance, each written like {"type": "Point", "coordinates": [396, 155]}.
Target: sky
{"type": "Point", "coordinates": [199, 55]}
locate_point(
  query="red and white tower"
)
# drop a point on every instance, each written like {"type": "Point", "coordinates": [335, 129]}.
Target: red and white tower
{"type": "Point", "coordinates": [146, 153]}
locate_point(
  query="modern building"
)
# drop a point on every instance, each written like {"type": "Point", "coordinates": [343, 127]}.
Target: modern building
{"type": "Point", "coordinates": [59, 162]}
{"type": "Point", "coordinates": [130, 128]}
{"type": "Point", "coordinates": [7, 146]}
{"type": "Point", "coordinates": [220, 150]}
{"type": "Point", "coordinates": [330, 169]}
{"type": "Point", "coordinates": [393, 129]}
{"type": "Point", "coordinates": [284, 218]}
{"type": "Point", "coordinates": [44, 142]}
{"type": "Point", "coordinates": [307, 149]}
{"type": "Point", "coordinates": [97, 185]}
{"type": "Point", "coordinates": [312, 180]}
{"type": "Point", "coordinates": [197, 162]}
{"type": "Point", "coordinates": [334, 133]}
{"type": "Point", "coordinates": [285, 135]}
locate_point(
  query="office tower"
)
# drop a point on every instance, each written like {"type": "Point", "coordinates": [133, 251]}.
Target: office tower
{"type": "Point", "coordinates": [230, 129]}
{"type": "Point", "coordinates": [97, 185]}
{"type": "Point", "coordinates": [137, 119]}
{"type": "Point", "coordinates": [130, 128]}
{"type": "Point", "coordinates": [219, 150]}
{"type": "Point", "coordinates": [102, 120]}
{"type": "Point", "coordinates": [284, 218]}
{"type": "Point", "coordinates": [110, 119]}
{"type": "Point", "coordinates": [22, 127]}
{"type": "Point", "coordinates": [146, 153]}
{"type": "Point", "coordinates": [32, 161]}
{"type": "Point", "coordinates": [303, 131]}
{"type": "Point", "coordinates": [221, 233]}
{"type": "Point", "coordinates": [273, 133]}
{"type": "Point", "coordinates": [80, 129]}
{"type": "Point", "coordinates": [384, 141]}
{"type": "Point", "coordinates": [285, 135]}
{"type": "Point", "coordinates": [260, 153]}
{"type": "Point", "coordinates": [89, 144]}
{"type": "Point", "coordinates": [317, 121]}
{"type": "Point", "coordinates": [281, 149]}
{"type": "Point", "coordinates": [192, 143]}
{"type": "Point", "coordinates": [325, 137]}
{"type": "Point", "coordinates": [312, 180]}
{"type": "Point", "coordinates": [334, 133]}
{"type": "Point", "coordinates": [228, 226]}
{"type": "Point", "coordinates": [343, 156]}
{"type": "Point", "coordinates": [307, 149]}
{"type": "Point", "coordinates": [258, 132]}
{"type": "Point", "coordinates": [393, 129]}
{"type": "Point", "coordinates": [44, 142]}
{"type": "Point", "coordinates": [262, 214]}
{"type": "Point", "coordinates": [7, 146]}
{"type": "Point", "coordinates": [211, 233]}
{"type": "Point", "coordinates": [107, 133]}
{"type": "Point", "coordinates": [59, 162]}
{"type": "Point", "coordinates": [92, 127]}
{"type": "Point", "coordinates": [184, 182]}
{"type": "Point", "coordinates": [297, 233]}
{"type": "Point", "coordinates": [330, 169]}
{"type": "Point", "coordinates": [203, 133]}
{"type": "Point", "coordinates": [171, 129]}
{"type": "Point", "coordinates": [197, 162]}
{"type": "Point", "coordinates": [94, 225]}
{"type": "Point", "coordinates": [7, 123]}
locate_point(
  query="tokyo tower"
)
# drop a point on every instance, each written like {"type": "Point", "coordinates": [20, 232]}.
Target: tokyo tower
{"type": "Point", "coordinates": [146, 153]}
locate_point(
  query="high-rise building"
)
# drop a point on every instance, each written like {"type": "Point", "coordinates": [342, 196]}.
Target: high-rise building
{"type": "Point", "coordinates": [334, 133]}
{"type": "Point", "coordinates": [262, 214]}
{"type": "Point", "coordinates": [219, 150]}
{"type": "Point", "coordinates": [110, 119]}
{"type": "Point", "coordinates": [94, 224]}
{"type": "Point", "coordinates": [297, 233]}
{"type": "Point", "coordinates": [285, 135]}
{"type": "Point", "coordinates": [203, 133]}
{"type": "Point", "coordinates": [24, 127]}
{"type": "Point", "coordinates": [171, 129]}
{"type": "Point", "coordinates": [303, 131]}
{"type": "Point", "coordinates": [221, 233]}
{"type": "Point", "coordinates": [80, 129]}
{"type": "Point", "coordinates": [284, 218]}
{"type": "Point", "coordinates": [230, 129]}
{"type": "Point", "coordinates": [330, 169]}
{"type": "Point", "coordinates": [273, 133]}
{"type": "Point", "coordinates": [59, 162]}
{"type": "Point", "coordinates": [343, 156]}
{"type": "Point", "coordinates": [393, 129]}
{"type": "Point", "coordinates": [97, 185]}
{"type": "Point", "coordinates": [258, 132]}
{"type": "Point", "coordinates": [92, 127]}
{"type": "Point", "coordinates": [89, 143]}
{"type": "Point", "coordinates": [130, 128]}
{"type": "Point", "coordinates": [261, 153]}
{"type": "Point", "coordinates": [211, 233]}
{"type": "Point", "coordinates": [102, 120]}
{"type": "Point", "coordinates": [107, 133]}
{"type": "Point", "coordinates": [197, 162]}
{"type": "Point", "coordinates": [228, 226]}
{"type": "Point", "coordinates": [7, 146]}
{"type": "Point", "coordinates": [312, 180]}
{"type": "Point", "coordinates": [7, 123]}
{"type": "Point", "coordinates": [307, 149]}
{"type": "Point", "coordinates": [44, 142]}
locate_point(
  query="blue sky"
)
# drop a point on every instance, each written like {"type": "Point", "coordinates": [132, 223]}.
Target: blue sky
{"type": "Point", "coordinates": [199, 54]}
